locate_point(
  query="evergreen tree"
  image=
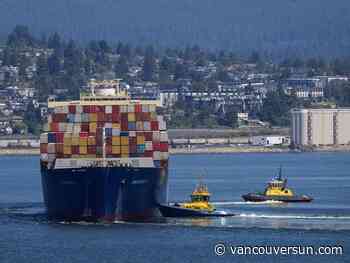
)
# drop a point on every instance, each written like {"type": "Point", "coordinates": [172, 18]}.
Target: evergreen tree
{"type": "Point", "coordinates": [148, 65]}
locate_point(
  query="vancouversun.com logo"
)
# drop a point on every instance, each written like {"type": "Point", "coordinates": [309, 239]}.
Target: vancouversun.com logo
{"type": "Point", "coordinates": [221, 249]}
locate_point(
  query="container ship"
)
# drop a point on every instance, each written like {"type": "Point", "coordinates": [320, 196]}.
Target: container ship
{"type": "Point", "coordinates": [104, 157]}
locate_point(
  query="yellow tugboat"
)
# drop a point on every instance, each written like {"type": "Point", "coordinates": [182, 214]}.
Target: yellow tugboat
{"type": "Point", "coordinates": [198, 206]}
{"type": "Point", "coordinates": [200, 198]}
{"type": "Point", "coordinates": [277, 190]}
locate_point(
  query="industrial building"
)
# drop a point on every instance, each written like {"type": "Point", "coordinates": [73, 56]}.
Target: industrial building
{"type": "Point", "coordinates": [321, 126]}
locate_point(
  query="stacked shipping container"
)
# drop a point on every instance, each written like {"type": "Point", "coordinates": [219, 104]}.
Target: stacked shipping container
{"type": "Point", "coordinates": [116, 131]}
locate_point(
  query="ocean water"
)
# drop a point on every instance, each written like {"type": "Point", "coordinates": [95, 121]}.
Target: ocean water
{"type": "Point", "coordinates": [26, 235]}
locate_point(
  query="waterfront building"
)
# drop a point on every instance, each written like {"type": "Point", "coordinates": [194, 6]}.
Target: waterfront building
{"type": "Point", "coordinates": [321, 126]}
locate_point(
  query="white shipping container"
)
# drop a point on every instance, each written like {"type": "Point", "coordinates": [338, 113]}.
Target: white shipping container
{"type": "Point", "coordinates": [164, 155]}
{"type": "Point", "coordinates": [51, 148]}
{"type": "Point", "coordinates": [162, 125]}
{"type": "Point", "coordinates": [124, 108]}
{"type": "Point", "coordinates": [108, 109]}
{"type": "Point", "coordinates": [156, 156]}
{"type": "Point", "coordinates": [46, 127]}
{"type": "Point", "coordinates": [147, 126]}
{"type": "Point", "coordinates": [77, 118]}
{"type": "Point", "coordinates": [49, 118]}
{"type": "Point", "coordinates": [152, 108]}
{"type": "Point", "coordinates": [44, 138]}
{"type": "Point", "coordinates": [76, 129]}
{"type": "Point", "coordinates": [131, 108]}
{"type": "Point", "coordinates": [78, 109]}
{"type": "Point", "coordinates": [108, 125]}
{"type": "Point", "coordinates": [69, 127]}
{"type": "Point", "coordinates": [145, 108]}
{"type": "Point", "coordinates": [62, 126]}
{"type": "Point", "coordinates": [156, 136]}
{"type": "Point", "coordinates": [132, 133]}
{"type": "Point", "coordinates": [163, 136]}
{"type": "Point", "coordinates": [148, 146]}
{"type": "Point", "coordinates": [115, 132]}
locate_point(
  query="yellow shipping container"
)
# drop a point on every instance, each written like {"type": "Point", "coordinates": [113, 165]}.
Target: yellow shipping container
{"type": "Point", "coordinates": [90, 156]}
{"type": "Point", "coordinates": [75, 140]}
{"type": "Point", "coordinates": [131, 116]}
{"type": "Point", "coordinates": [116, 125]}
{"type": "Point", "coordinates": [83, 141]}
{"type": "Point", "coordinates": [67, 150]}
{"type": "Point", "coordinates": [116, 140]}
{"type": "Point", "coordinates": [124, 150]}
{"type": "Point", "coordinates": [83, 149]}
{"type": "Point", "coordinates": [93, 117]}
{"type": "Point", "coordinates": [91, 140]}
{"type": "Point", "coordinates": [92, 126]}
{"type": "Point", "coordinates": [124, 140]}
{"type": "Point", "coordinates": [115, 149]}
{"type": "Point", "coordinates": [67, 141]}
{"type": "Point", "coordinates": [140, 139]}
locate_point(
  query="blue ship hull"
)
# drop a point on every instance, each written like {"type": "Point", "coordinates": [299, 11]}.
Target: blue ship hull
{"type": "Point", "coordinates": [104, 193]}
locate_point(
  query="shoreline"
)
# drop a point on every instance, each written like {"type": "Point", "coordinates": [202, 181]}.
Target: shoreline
{"type": "Point", "coordinates": [202, 150]}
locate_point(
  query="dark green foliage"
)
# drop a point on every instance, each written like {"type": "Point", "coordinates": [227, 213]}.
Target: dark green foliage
{"type": "Point", "coordinates": [32, 119]}
{"type": "Point", "coordinates": [149, 65]}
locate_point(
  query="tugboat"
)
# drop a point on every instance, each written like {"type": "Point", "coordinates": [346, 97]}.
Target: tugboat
{"type": "Point", "coordinates": [277, 190]}
{"type": "Point", "coordinates": [198, 206]}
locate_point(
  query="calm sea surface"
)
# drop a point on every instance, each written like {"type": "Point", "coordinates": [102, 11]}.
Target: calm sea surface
{"type": "Point", "coordinates": [26, 236]}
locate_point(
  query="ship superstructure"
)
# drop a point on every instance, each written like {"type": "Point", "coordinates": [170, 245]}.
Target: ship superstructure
{"type": "Point", "coordinates": [104, 156]}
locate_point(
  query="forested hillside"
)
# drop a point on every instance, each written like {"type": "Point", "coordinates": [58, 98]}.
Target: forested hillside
{"type": "Point", "coordinates": [277, 27]}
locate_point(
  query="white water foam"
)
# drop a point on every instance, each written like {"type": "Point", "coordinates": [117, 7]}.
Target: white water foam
{"type": "Point", "coordinates": [253, 215]}
{"type": "Point", "coordinates": [247, 203]}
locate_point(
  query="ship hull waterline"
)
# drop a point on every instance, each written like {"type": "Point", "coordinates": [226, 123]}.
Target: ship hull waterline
{"type": "Point", "coordinates": [286, 199]}
{"type": "Point", "coordinates": [104, 193]}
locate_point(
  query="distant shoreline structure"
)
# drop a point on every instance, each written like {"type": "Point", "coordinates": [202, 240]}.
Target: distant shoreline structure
{"type": "Point", "coordinates": [202, 150]}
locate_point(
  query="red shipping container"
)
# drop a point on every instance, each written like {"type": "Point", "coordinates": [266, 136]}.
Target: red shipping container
{"type": "Point", "coordinates": [132, 141]}
{"type": "Point", "coordinates": [148, 154]}
{"type": "Point", "coordinates": [132, 148]}
{"type": "Point", "coordinates": [148, 136]}
{"type": "Point", "coordinates": [84, 134]}
{"type": "Point", "coordinates": [54, 127]}
{"type": "Point", "coordinates": [86, 109]}
{"type": "Point", "coordinates": [115, 117]}
{"type": "Point", "coordinates": [100, 108]}
{"type": "Point", "coordinates": [108, 140]}
{"type": "Point", "coordinates": [164, 147]}
{"type": "Point", "coordinates": [43, 148]}
{"type": "Point", "coordinates": [75, 149]}
{"type": "Point", "coordinates": [156, 146]}
{"type": "Point", "coordinates": [115, 109]}
{"type": "Point", "coordinates": [72, 109]}
{"type": "Point", "coordinates": [85, 127]}
{"type": "Point", "coordinates": [138, 108]}
{"type": "Point", "coordinates": [146, 116]}
{"type": "Point", "coordinates": [59, 137]}
{"type": "Point", "coordinates": [138, 116]}
{"type": "Point", "coordinates": [59, 117]}
{"type": "Point", "coordinates": [154, 126]}
{"type": "Point", "coordinates": [91, 149]}
{"type": "Point", "coordinates": [109, 117]}
{"type": "Point", "coordinates": [101, 117]}
{"type": "Point", "coordinates": [124, 117]}
{"type": "Point", "coordinates": [93, 108]}
{"type": "Point", "coordinates": [59, 155]}
{"type": "Point", "coordinates": [100, 125]}
{"type": "Point", "coordinates": [108, 149]}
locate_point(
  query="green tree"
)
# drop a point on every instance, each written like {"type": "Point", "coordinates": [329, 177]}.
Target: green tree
{"type": "Point", "coordinates": [149, 65]}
